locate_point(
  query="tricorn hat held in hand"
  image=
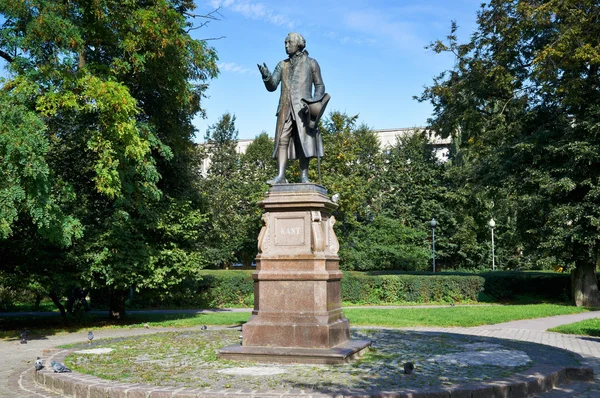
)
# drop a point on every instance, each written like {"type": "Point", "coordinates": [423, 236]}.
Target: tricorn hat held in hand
{"type": "Point", "coordinates": [315, 109]}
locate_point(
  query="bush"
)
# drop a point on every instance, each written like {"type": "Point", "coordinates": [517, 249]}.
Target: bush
{"type": "Point", "coordinates": [215, 289]}
{"type": "Point", "coordinates": [235, 288]}
{"type": "Point", "coordinates": [360, 288]}
{"type": "Point", "coordinates": [505, 285]}
{"type": "Point", "coordinates": [385, 244]}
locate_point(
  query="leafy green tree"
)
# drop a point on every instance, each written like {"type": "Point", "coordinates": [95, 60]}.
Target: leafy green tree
{"type": "Point", "coordinates": [221, 147]}
{"type": "Point", "coordinates": [116, 85]}
{"type": "Point", "coordinates": [350, 168]}
{"type": "Point", "coordinates": [257, 166]}
{"type": "Point", "coordinates": [27, 187]}
{"type": "Point", "coordinates": [385, 243]}
{"type": "Point", "coordinates": [222, 190]}
{"type": "Point", "coordinates": [524, 96]}
{"type": "Point", "coordinates": [412, 185]}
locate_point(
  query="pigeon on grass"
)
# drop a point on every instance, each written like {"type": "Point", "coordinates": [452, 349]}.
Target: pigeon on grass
{"type": "Point", "coordinates": [90, 337]}
{"type": "Point", "coordinates": [39, 364]}
{"type": "Point", "coordinates": [59, 367]}
{"type": "Point", "coordinates": [23, 336]}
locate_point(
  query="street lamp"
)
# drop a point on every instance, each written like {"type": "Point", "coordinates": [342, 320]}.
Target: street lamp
{"type": "Point", "coordinates": [492, 224]}
{"type": "Point", "coordinates": [433, 224]}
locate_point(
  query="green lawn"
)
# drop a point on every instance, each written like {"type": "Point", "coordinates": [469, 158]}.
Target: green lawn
{"type": "Point", "coordinates": [393, 317]}
{"type": "Point", "coordinates": [455, 316]}
{"type": "Point", "coordinates": [588, 327]}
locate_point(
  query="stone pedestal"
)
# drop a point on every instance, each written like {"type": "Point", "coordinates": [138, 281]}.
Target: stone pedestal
{"type": "Point", "coordinates": [297, 313]}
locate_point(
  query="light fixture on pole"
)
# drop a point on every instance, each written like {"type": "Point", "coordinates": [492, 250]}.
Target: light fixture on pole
{"type": "Point", "coordinates": [492, 224]}
{"type": "Point", "coordinates": [433, 224]}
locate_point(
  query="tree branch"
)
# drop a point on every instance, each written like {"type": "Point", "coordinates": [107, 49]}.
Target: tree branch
{"type": "Point", "coordinates": [210, 15]}
{"type": "Point", "coordinates": [6, 56]}
{"type": "Point", "coordinates": [213, 38]}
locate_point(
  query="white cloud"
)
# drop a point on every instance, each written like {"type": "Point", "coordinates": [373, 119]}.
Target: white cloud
{"type": "Point", "coordinates": [235, 68]}
{"type": "Point", "coordinates": [376, 24]}
{"type": "Point", "coordinates": [254, 10]}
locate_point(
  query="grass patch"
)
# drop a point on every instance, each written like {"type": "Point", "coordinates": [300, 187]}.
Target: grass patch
{"type": "Point", "coordinates": [393, 317]}
{"type": "Point", "coordinates": [454, 316]}
{"type": "Point", "coordinates": [45, 306]}
{"type": "Point", "coordinates": [588, 327]}
{"type": "Point", "coordinates": [45, 326]}
{"type": "Point", "coordinates": [187, 359]}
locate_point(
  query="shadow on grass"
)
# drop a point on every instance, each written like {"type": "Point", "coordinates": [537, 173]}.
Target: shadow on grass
{"type": "Point", "coordinates": [376, 381]}
{"type": "Point", "coordinates": [39, 327]}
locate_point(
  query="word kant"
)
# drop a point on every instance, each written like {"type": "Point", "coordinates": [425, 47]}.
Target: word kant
{"type": "Point", "coordinates": [289, 231]}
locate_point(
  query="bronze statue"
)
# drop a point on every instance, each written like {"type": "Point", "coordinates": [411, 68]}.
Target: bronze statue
{"type": "Point", "coordinates": [299, 109]}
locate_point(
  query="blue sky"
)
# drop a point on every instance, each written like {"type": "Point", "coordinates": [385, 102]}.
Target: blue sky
{"type": "Point", "coordinates": [371, 54]}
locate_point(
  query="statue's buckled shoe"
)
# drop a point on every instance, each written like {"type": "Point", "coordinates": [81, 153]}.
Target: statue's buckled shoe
{"type": "Point", "coordinates": [277, 180]}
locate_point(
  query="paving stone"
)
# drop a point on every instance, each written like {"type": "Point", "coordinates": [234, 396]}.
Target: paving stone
{"type": "Point", "coordinates": [589, 348]}
{"type": "Point", "coordinates": [580, 374]}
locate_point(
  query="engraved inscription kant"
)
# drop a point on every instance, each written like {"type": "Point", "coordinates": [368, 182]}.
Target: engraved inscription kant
{"type": "Point", "coordinates": [289, 231]}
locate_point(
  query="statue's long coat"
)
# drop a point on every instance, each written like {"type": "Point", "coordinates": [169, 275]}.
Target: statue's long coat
{"type": "Point", "coordinates": [297, 76]}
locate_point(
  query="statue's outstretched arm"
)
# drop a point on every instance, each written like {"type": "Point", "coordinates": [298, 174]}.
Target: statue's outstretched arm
{"type": "Point", "coordinates": [272, 80]}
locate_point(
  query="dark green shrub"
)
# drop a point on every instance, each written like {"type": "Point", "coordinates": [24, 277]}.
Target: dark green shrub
{"type": "Point", "coordinates": [360, 288]}
{"type": "Point", "coordinates": [505, 285]}
{"type": "Point", "coordinates": [221, 288]}
{"type": "Point", "coordinates": [385, 243]}
{"type": "Point", "coordinates": [215, 289]}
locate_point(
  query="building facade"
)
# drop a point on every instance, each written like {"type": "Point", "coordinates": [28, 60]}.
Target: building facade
{"type": "Point", "coordinates": [387, 138]}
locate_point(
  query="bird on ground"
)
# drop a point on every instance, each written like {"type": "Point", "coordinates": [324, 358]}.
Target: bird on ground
{"type": "Point", "coordinates": [451, 304]}
{"type": "Point", "coordinates": [90, 337]}
{"type": "Point", "coordinates": [59, 367]}
{"type": "Point", "coordinates": [146, 326]}
{"type": "Point", "coordinates": [39, 364]}
{"type": "Point", "coordinates": [408, 368]}
{"type": "Point", "coordinates": [23, 336]}
{"type": "Point", "coordinates": [203, 327]}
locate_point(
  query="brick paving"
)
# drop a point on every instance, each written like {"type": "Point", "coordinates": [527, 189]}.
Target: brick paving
{"type": "Point", "coordinates": [17, 359]}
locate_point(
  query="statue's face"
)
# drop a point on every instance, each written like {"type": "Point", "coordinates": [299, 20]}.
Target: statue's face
{"type": "Point", "coordinates": [291, 46]}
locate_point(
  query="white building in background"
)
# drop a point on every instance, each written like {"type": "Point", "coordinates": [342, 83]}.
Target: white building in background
{"type": "Point", "coordinates": [387, 138]}
{"type": "Point", "coordinates": [441, 146]}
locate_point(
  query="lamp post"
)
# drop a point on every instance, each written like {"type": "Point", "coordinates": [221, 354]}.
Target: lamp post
{"type": "Point", "coordinates": [433, 224]}
{"type": "Point", "coordinates": [492, 224]}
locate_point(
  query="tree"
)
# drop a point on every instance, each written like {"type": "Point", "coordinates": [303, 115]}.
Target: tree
{"type": "Point", "coordinates": [222, 190]}
{"type": "Point", "coordinates": [350, 168]}
{"type": "Point", "coordinates": [525, 97]}
{"type": "Point", "coordinates": [385, 243]}
{"type": "Point", "coordinates": [257, 166]}
{"type": "Point", "coordinates": [414, 189]}
{"type": "Point", "coordinates": [116, 86]}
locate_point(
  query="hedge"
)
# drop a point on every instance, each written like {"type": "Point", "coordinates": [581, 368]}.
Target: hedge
{"type": "Point", "coordinates": [360, 288]}
{"type": "Point", "coordinates": [220, 288]}
{"type": "Point", "coordinates": [505, 285]}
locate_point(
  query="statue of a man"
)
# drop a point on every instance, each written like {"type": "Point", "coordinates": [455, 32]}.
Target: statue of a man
{"type": "Point", "coordinates": [296, 134]}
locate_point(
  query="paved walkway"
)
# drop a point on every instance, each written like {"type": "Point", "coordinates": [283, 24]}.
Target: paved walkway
{"type": "Point", "coordinates": [16, 356]}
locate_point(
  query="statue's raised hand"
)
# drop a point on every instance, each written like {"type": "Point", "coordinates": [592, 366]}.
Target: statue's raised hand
{"type": "Point", "coordinates": [264, 70]}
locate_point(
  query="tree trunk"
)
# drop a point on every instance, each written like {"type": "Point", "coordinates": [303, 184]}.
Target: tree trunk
{"type": "Point", "coordinates": [116, 310]}
{"type": "Point", "coordinates": [54, 297]}
{"type": "Point", "coordinates": [584, 285]}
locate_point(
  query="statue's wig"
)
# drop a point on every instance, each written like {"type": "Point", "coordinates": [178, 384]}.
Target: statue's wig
{"type": "Point", "coordinates": [297, 37]}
